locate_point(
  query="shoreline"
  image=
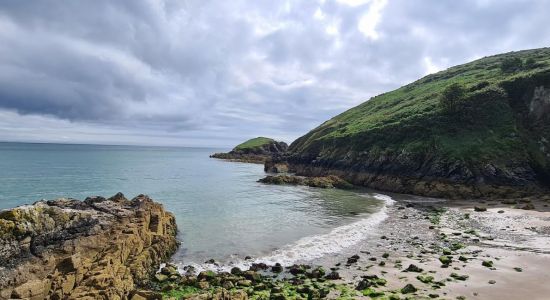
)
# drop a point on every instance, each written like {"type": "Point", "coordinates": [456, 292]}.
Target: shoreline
{"type": "Point", "coordinates": [420, 233]}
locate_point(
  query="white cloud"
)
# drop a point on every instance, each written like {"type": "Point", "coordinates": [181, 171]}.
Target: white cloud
{"type": "Point", "coordinates": [214, 73]}
{"type": "Point", "coordinates": [369, 21]}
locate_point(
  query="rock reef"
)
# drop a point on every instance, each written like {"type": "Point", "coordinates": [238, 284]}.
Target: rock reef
{"type": "Point", "coordinates": [326, 182]}
{"type": "Point", "coordinates": [93, 249]}
{"type": "Point", "coordinates": [257, 150]}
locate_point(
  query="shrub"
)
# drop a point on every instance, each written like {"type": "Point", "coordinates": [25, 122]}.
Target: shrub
{"type": "Point", "coordinates": [451, 97]}
{"type": "Point", "coordinates": [530, 63]}
{"type": "Point", "coordinates": [511, 64]}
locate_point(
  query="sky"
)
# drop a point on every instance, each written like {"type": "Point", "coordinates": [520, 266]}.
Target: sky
{"type": "Point", "coordinates": [215, 73]}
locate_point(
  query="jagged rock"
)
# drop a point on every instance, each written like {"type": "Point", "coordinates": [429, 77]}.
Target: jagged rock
{"type": "Point", "coordinates": [97, 248]}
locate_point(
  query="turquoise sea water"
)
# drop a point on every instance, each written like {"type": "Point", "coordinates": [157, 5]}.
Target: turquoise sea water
{"type": "Point", "coordinates": [221, 211]}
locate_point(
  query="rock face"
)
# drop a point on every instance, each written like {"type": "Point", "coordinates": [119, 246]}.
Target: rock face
{"type": "Point", "coordinates": [326, 182]}
{"type": "Point", "coordinates": [257, 150]}
{"type": "Point", "coordinates": [494, 143]}
{"type": "Point", "coordinates": [93, 249]}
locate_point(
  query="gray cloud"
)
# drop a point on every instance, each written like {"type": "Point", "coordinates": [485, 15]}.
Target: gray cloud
{"type": "Point", "coordinates": [216, 72]}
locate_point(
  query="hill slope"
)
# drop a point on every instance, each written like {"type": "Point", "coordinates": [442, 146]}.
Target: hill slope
{"type": "Point", "coordinates": [490, 135]}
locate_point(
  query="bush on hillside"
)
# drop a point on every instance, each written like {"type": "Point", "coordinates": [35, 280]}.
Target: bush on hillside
{"type": "Point", "coordinates": [451, 97]}
{"type": "Point", "coordinates": [511, 64]}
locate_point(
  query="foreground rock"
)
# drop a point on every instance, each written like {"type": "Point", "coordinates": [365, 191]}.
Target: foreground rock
{"type": "Point", "coordinates": [93, 249]}
{"type": "Point", "coordinates": [257, 150]}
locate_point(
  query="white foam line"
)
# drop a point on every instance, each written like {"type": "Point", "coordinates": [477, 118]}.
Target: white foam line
{"type": "Point", "coordinates": [313, 247]}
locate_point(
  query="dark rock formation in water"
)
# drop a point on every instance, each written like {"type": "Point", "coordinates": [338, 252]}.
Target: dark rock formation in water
{"type": "Point", "coordinates": [257, 150]}
{"type": "Point", "coordinates": [93, 249]}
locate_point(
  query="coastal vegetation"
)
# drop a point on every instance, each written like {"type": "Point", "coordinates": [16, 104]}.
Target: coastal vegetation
{"type": "Point", "coordinates": [478, 129]}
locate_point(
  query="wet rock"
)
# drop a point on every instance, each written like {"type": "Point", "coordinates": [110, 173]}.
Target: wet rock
{"type": "Point", "coordinates": [169, 270]}
{"type": "Point", "coordinates": [425, 278]}
{"type": "Point", "coordinates": [258, 267]}
{"type": "Point", "coordinates": [353, 259]}
{"type": "Point", "coordinates": [445, 260]}
{"type": "Point", "coordinates": [277, 268]}
{"type": "Point", "coordinates": [318, 272]}
{"type": "Point", "coordinates": [333, 276]}
{"type": "Point", "coordinates": [245, 283]}
{"type": "Point", "coordinates": [414, 268]}
{"type": "Point", "coordinates": [206, 275]}
{"type": "Point", "coordinates": [528, 206]}
{"type": "Point", "coordinates": [480, 208]}
{"type": "Point", "coordinates": [252, 276]}
{"type": "Point", "coordinates": [236, 271]}
{"type": "Point", "coordinates": [408, 289]}
{"type": "Point", "coordinates": [459, 277]}
{"type": "Point", "coordinates": [487, 263]}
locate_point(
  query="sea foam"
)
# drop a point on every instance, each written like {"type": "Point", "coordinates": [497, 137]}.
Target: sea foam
{"type": "Point", "coordinates": [316, 246]}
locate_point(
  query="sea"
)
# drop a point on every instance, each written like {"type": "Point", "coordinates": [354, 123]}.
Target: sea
{"type": "Point", "coordinates": [222, 212]}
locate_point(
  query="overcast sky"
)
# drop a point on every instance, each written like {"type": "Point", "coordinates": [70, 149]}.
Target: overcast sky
{"type": "Point", "coordinates": [213, 73]}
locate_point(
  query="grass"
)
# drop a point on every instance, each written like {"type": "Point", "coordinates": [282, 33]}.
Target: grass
{"type": "Point", "coordinates": [254, 143]}
{"type": "Point", "coordinates": [411, 120]}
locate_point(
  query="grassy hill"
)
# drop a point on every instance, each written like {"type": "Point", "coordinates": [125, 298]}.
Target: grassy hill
{"type": "Point", "coordinates": [256, 150]}
{"type": "Point", "coordinates": [254, 143]}
{"type": "Point", "coordinates": [471, 130]}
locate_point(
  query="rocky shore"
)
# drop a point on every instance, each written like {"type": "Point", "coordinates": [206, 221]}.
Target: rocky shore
{"type": "Point", "coordinates": [426, 249]}
{"type": "Point", "coordinates": [497, 249]}
{"type": "Point", "coordinates": [93, 249]}
{"type": "Point", "coordinates": [325, 182]}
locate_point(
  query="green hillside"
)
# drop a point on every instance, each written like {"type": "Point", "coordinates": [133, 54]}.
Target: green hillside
{"type": "Point", "coordinates": [484, 122]}
{"type": "Point", "coordinates": [254, 143]}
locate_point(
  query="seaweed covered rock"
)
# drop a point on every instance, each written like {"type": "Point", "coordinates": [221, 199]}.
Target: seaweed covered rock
{"type": "Point", "coordinates": [94, 249]}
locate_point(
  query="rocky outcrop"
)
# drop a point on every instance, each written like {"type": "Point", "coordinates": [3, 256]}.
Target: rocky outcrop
{"type": "Point", "coordinates": [256, 153]}
{"type": "Point", "coordinates": [326, 182]}
{"type": "Point", "coordinates": [93, 249]}
{"type": "Point", "coordinates": [494, 143]}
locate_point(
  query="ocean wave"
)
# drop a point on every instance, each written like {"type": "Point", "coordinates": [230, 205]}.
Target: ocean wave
{"type": "Point", "coordinates": [316, 246]}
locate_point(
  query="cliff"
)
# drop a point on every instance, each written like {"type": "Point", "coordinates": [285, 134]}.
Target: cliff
{"type": "Point", "coordinates": [93, 249]}
{"type": "Point", "coordinates": [256, 150]}
{"type": "Point", "coordinates": [475, 130]}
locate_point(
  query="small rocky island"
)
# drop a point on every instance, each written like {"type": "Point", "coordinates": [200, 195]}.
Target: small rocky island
{"type": "Point", "coordinates": [93, 249]}
{"type": "Point", "coordinates": [256, 150]}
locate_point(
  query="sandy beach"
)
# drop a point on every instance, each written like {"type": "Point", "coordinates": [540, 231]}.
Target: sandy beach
{"type": "Point", "coordinates": [500, 253]}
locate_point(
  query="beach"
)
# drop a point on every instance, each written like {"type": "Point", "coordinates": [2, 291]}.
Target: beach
{"type": "Point", "coordinates": [515, 240]}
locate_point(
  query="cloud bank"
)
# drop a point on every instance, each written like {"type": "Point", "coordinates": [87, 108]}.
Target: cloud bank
{"type": "Point", "coordinates": [212, 73]}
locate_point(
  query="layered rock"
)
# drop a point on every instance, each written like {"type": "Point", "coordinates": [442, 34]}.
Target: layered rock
{"type": "Point", "coordinates": [325, 182]}
{"type": "Point", "coordinates": [257, 150]}
{"type": "Point", "coordinates": [93, 249]}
